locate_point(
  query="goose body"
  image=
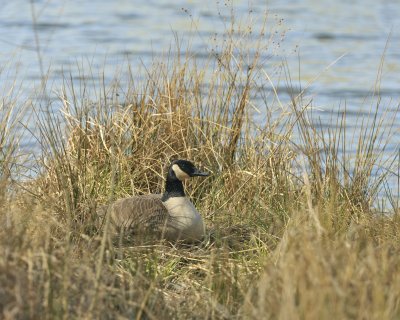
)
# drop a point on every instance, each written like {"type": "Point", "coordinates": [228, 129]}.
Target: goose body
{"type": "Point", "coordinates": [170, 215]}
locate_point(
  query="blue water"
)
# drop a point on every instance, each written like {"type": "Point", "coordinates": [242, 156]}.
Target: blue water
{"type": "Point", "coordinates": [107, 32]}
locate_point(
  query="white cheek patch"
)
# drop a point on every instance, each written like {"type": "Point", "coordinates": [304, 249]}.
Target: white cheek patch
{"type": "Point", "coordinates": [180, 174]}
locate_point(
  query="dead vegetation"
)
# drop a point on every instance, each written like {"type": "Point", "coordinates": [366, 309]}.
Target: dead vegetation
{"type": "Point", "coordinates": [283, 242]}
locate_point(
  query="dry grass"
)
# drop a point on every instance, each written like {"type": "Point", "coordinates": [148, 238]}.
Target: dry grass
{"type": "Point", "coordinates": [282, 242]}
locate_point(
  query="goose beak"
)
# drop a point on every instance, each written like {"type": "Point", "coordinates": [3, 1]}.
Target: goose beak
{"type": "Point", "coordinates": [198, 173]}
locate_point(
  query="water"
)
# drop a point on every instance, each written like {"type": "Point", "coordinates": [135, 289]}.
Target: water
{"type": "Point", "coordinates": [337, 44]}
{"type": "Point", "coordinates": [106, 33]}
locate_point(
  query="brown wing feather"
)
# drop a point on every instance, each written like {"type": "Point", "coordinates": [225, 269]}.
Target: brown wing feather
{"type": "Point", "coordinates": [141, 213]}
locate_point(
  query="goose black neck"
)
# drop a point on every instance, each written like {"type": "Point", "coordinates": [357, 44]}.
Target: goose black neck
{"type": "Point", "coordinates": [173, 188]}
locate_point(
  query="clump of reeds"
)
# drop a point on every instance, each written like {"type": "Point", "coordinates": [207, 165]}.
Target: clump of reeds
{"type": "Point", "coordinates": [282, 242]}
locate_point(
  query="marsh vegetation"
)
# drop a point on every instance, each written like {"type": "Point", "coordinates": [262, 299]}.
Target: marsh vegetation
{"type": "Point", "coordinates": [296, 228]}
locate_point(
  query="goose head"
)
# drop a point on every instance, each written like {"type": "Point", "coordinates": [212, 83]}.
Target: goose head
{"type": "Point", "coordinates": [182, 170]}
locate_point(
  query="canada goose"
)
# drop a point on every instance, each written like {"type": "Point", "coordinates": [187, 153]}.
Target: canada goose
{"type": "Point", "coordinates": [170, 215]}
